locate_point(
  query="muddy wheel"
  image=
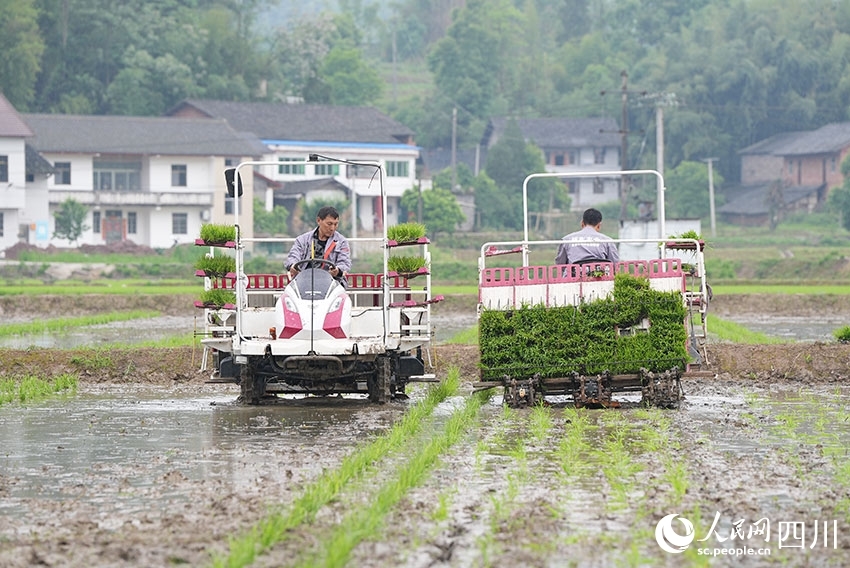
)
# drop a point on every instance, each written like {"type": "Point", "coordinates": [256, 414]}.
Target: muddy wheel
{"type": "Point", "coordinates": [252, 386]}
{"type": "Point", "coordinates": [379, 384]}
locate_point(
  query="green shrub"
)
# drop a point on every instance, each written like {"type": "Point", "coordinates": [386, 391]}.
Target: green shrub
{"type": "Point", "coordinates": [589, 338]}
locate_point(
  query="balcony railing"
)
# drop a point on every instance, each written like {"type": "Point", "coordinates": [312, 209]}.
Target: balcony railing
{"type": "Point", "coordinates": [138, 198]}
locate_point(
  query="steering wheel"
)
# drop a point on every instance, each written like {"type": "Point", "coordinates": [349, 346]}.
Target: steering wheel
{"type": "Point", "coordinates": [307, 262]}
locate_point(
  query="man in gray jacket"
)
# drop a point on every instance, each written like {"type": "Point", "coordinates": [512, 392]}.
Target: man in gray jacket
{"type": "Point", "coordinates": [597, 248]}
{"type": "Point", "coordinates": [323, 242]}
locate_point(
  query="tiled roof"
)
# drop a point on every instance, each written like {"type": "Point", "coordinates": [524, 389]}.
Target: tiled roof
{"type": "Point", "coordinates": [35, 162]}
{"type": "Point", "coordinates": [303, 122]}
{"type": "Point", "coordinates": [300, 187]}
{"type": "Point", "coordinates": [752, 200]}
{"type": "Point", "coordinates": [828, 139]}
{"type": "Point", "coordinates": [11, 123]}
{"type": "Point", "coordinates": [561, 132]}
{"type": "Point", "coordinates": [772, 145]}
{"type": "Point", "coordinates": [435, 160]}
{"type": "Point", "coordinates": [139, 135]}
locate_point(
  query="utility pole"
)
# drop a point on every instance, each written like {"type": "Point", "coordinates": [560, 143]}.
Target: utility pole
{"type": "Point", "coordinates": [454, 148]}
{"type": "Point", "coordinates": [710, 162]}
{"type": "Point", "coordinates": [624, 143]}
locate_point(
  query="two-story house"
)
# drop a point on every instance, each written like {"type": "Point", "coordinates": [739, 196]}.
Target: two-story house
{"type": "Point", "coordinates": [572, 145]}
{"type": "Point", "coordinates": [292, 132]}
{"type": "Point", "coordinates": [23, 175]}
{"type": "Point", "coordinates": [149, 180]}
{"type": "Point", "coordinates": [790, 171]}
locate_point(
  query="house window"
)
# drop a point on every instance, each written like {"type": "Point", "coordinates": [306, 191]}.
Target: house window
{"type": "Point", "coordinates": [327, 169]}
{"type": "Point", "coordinates": [1, 223]}
{"type": "Point", "coordinates": [62, 173]}
{"type": "Point", "coordinates": [397, 169]}
{"type": "Point", "coordinates": [4, 168]}
{"type": "Point", "coordinates": [790, 167]}
{"type": "Point", "coordinates": [228, 205]}
{"type": "Point", "coordinates": [832, 164]}
{"type": "Point", "coordinates": [573, 157]}
{"type": "Point", "coordinates": [95, 222]}
{"type": "Point", "coordinates": [598, 157]}
{"type": "Point", "coordinates": [121, 176]}
{"type": "Point", "coordinates": [131, 222]}
{"type": "Point", "coordinates": [178, 175]}
{"type": "Point", "coordinates": [285, 168]}
{"type": "Point", "coordinates": [179, 223]}
{"type": "Point", "coordinates": [559, 159]}
{"type": "Point", "coordinates": [598, 186]}
{"type": "Point", "coordinates": [572, 186]}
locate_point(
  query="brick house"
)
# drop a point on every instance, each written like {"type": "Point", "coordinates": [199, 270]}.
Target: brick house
{"type": "Point", "coordinates": [788, 172]}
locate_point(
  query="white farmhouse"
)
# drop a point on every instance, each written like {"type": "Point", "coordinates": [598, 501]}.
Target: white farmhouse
{"type": "Point", "coordinates": [292, 132]}
{"type": "Point", "coordinates": [150, 180]}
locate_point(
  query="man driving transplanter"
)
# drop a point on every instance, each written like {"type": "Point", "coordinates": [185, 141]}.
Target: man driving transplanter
{"type": "Point", "coordinates": [322, 243]}
{"type": "Point", "coordinates": [599, 247]}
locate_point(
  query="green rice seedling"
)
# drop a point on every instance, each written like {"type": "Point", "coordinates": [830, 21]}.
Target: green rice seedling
{"type": "Point", "coordinates": [30, 388]}
{"type": "Point", "coordinates": [8, 388]}
{"type": "Point", "coordinates": [278, 526]}
{"type": "Point", "coordinates": [441, 511]}
{"type": "Point", "coordinates": [363, 523]}
{"type": "Point", "coordinates": [406, 232]}
{"type": "Point", "coordinates": [468, 336]}
{"type": "Point", "coordinates": [573, 447]}
{"type": "Point", "coordinates": [214, 233]}
{"type": "Point", "coordinates": [93, 360]}
{"type": "Point", "coordinates": [676, 476]}
{"type": "Point", "coordinates": [736, 333]}
{"type": "Point", "coordinates": [540, 423]}
{"type": "Point", "coordinates": [842, 334]}
{"type": "Point", "coordinates": [405, 264]}
{"type": "Point", "coordinates": [218, 265]}
{"type": "Point", "coordinates": [61, 324]}
{"type": "Point", "coordinates": [217, 298]}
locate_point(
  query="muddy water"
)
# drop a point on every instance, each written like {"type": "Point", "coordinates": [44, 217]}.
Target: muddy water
{"type": "Point", "coordinates": [117, 453]}
{"type": "Point", "coordinates": [152, 329]}
{"type": "Point", "coordinates": [139, 465]}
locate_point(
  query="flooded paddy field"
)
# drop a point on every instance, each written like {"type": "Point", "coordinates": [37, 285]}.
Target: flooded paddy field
{"type": "Point", "coordinates": [155, 476]}
{"type": "Point", "coordinates": [147, 465]}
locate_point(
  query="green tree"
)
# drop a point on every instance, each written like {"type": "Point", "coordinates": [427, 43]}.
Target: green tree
{"type": "Point", "coordinates": [475, 63]}
{"type": "Point", "coordinates": [69, 220]}
{"type": "Point", "coordinates": [349, 79]}
{"type": "Point", "coordinates": [509, 161]}
{"type": "Point", "coordinates": [839, 202]}
{"type": "Point", "coordinates": [22, 46]}
{"type": "Point", "coordinates": [272, 223]}
{"type": "Point", "coordinates": [686, 195]}
{"type": "Point", "coordinates": [440, 210]}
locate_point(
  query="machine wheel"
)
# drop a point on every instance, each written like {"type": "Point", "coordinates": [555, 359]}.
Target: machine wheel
{"type": "Point", "coordinates": [252, 386]}
{"type": "Point", "coordinates": [379, 383]}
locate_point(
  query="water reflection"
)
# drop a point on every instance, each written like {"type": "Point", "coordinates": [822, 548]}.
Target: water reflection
{"type": "Point", "coordinates": [136, 451]}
